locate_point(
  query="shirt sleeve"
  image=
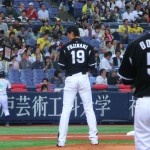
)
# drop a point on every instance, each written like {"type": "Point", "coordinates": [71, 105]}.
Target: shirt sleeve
{"type": "Point", "coordinates": [126, 70]}
{"type": "Point", "coordinates": [62, 59]}
{"type": "Point", "coordinates": [91, 62]}
{"type": "Point", "coordinates": [9, 85]}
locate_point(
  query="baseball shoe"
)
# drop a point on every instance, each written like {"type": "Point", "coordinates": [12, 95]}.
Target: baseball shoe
{"type": "Point", "coordinates": [7, 124]}
{"type": "Point", "coordinates": [94, 142]}
{"type": "Point", "coordinates": [60, 145]}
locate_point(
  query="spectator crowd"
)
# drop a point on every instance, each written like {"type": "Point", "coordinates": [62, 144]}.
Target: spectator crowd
{"type": "Point", "coordinates": [34, 37]}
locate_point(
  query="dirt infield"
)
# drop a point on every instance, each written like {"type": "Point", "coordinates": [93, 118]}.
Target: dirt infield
{"type": "Point", "coordinates": [73, 137]}
{"type": "Point", "coordinates": [70, 137]}
{"type": "Point", "coordinates": [84, 147]}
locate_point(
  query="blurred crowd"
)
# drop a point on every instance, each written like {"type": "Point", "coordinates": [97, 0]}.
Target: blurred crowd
{"type": "Point", "coordinates": [37, 47]}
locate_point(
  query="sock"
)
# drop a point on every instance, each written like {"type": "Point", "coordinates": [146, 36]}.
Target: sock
{"type": "Point", "coordinates": [7, 119]}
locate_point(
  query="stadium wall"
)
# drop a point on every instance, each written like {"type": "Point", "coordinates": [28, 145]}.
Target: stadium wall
{"type": "Point", "coordinates": [33, 107]}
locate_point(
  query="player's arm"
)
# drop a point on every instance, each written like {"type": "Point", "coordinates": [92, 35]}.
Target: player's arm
{"type": "Point", "coordinates": [62, 59]}
{"type": "Point", "coordinates": [8, 85]}
{"type": "Point", "coordinates": [126, 70]}
{"type": "Point", "coordinates": [91, 60]}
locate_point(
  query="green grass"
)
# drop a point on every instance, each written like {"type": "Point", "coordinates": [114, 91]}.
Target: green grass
{"type": "Point", "coordinates": [54, 129]}
{"type": "Point", "coordinates": [29, 130]}
{"type": "Point", "coordinates": [36, 143]}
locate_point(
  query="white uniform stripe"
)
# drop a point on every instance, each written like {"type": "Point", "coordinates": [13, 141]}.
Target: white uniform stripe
{"type": "Point", "coordinates": [124, 77]}
{"type": "Point", "coordinates": [148, 58]}
{"type": "Point", "coordinates": [92, 64]}
{"type": "Point", "coordinates": [61, 64]}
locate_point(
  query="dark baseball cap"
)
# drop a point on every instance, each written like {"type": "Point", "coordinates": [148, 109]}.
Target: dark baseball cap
{"type": "Point", "coordinates": [74, 29]}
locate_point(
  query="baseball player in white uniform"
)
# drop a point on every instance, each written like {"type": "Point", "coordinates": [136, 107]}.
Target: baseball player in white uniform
{"type": "Point", "coordinates": [4, 84]}
{"type": "Point", "coordinates": [76, 57]}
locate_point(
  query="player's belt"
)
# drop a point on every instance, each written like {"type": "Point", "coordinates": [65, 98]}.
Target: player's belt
{"type": "Point", "coordinates": [143, 96]}
{"type": "Point", "coordinates": [79, 73]}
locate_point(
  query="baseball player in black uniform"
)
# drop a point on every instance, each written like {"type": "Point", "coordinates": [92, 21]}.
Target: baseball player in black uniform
{"type": "Point", "coordinates": [135, 70]}
{"type": "Point", "coordinates": [76, 57]}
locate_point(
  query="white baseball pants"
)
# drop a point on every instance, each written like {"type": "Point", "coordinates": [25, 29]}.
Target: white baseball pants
{"type": "Point", "coordinates": [73, 84]}
{"type": "Point", "coordinates": [4, 104]}
{"type": "Point", "coordinates": [142, 124]}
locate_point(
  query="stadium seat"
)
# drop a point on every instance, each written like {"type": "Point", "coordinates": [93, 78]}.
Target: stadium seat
{"type": "Point", "coordinates": [122, 86]}
{"type": "Point", "coordinates": [100, 87]}
{"type": "Point", "coordinates": [78, 9]}
{"type": "Point", "coordinates": [147, 31]}
{"type": "Point", "coordinates": [16, 86]}
{"type": "Point", "coordinates": [18, 90]}
{"type": "Point", "coordinates": [53, 10]}
{"type": "Point", "coordinates": [29, 1]}
{"type": "Point", "coordinates": [2, 9]}
{"type": "Point", "coordinates": [13, 76]}
{"type": "Point", "coordinates": [36, 4]}
{"type": "Point", "coordinates": [124, 90]}
{"type": "Point", "coordinates": [86, 39]}
{"type": "Point", "coordinates": [49, 75]}
{"type": "Point", "coordinates": [95, 43]}
{"type": "Point", "coordinates": [113, 25]}
{"type": "Point", "coordinates": [31, 42]}
{"type": "Point", "coordinates": [26, 4]}
{"type": "Point", "coordinates": [125, 46]}
{"type": "Point", "coordinates": [61, 86]}
{"type": "Point", "coordinates": [13, 71]}
{"type": "Point", "coordinates": [18, 0]}
{"type": "Point", "coordinates": [132, 37]}
{"type": "Point", "coordinates": [26, 77]}
{"type": "Point", "coordinates": [39, 90]}
{"type": "Point", "coordinates": [47, 4]}
{"type": "Point", "coordinates": [38, 75]}
{"type": "Point", "coordinates": [28, 82]}
{"type": "Point", "coordinates": [64, 39]}
{"type": "Point", "coordinates": [39, 85]}
{"type": "Point", "coordinates": [26, 71]}
{"type": "Point", "coordinates": [116, 36]}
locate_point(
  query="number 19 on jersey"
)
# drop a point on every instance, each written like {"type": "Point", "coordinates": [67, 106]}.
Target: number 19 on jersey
{"type": "Point", "coordinates": [78, 56]}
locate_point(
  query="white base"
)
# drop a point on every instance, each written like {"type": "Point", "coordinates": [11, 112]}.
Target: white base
{"type": "Point", "coordinates": [131, 133]}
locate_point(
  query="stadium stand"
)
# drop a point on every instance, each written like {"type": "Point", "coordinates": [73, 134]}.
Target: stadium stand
{"type": "Point", "coordinates": [32, 42]}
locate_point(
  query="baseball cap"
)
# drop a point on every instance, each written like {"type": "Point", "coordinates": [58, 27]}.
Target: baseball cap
{"type": "Point", "coordinates": [30, 3]}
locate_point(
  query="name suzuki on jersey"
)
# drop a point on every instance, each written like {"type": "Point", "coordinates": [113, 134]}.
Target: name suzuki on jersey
{"type": "Point", "coordinates": [72, 46]}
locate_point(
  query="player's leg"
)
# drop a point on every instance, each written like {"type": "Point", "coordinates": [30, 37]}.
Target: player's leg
{"type": "Point", "coordinates": [86, 96]}
{"type": "Point", "coordinates": [68, 101]}
{"type": "Point", "coordinates": [142, 124]}
{"type": "Point", "coordinates": [4, 103]}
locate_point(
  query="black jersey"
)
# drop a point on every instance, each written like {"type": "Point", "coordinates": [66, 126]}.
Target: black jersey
{"type": "Point", "coordinates": [76, 56]}
{"type": "Point", "coordinates": [135, 66]}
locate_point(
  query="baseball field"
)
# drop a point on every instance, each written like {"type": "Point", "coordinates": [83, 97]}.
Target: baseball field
{"type": "Point", "coordinates": [111, 137]}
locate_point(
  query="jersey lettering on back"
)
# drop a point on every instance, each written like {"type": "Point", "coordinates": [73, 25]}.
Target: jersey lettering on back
{"type": "Point", "coordinates": [76, 56]}
{"type": "Point", "coordinates": [145, 44]}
